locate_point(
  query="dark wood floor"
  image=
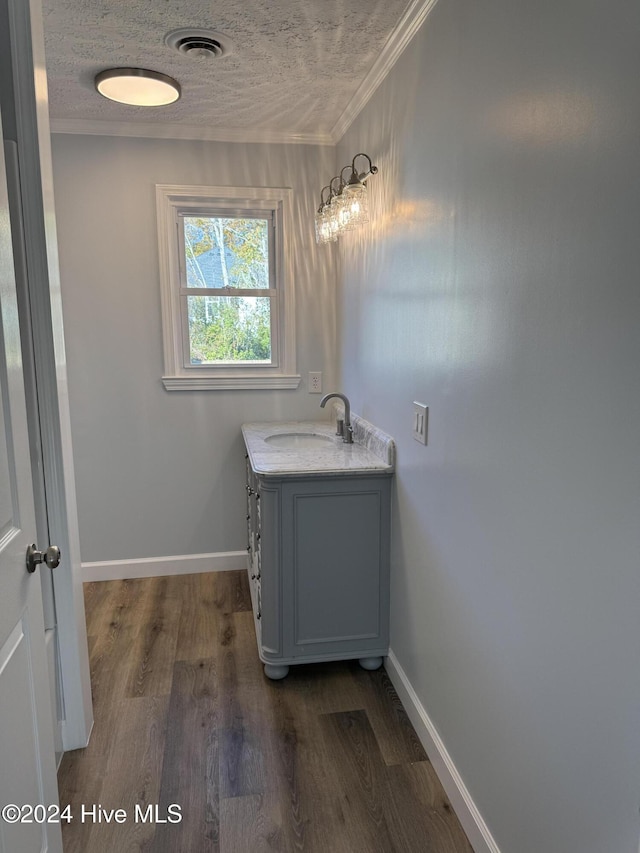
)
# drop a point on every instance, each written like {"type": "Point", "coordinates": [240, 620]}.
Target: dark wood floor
{"type": "Point", "coordinates": [325, 760]}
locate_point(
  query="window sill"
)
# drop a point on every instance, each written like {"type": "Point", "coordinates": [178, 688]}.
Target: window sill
{"type": "Point", "coordinates": [230, 383]}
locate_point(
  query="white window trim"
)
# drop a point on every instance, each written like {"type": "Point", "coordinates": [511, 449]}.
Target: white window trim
{"type": "Point", "coordinates": [170, 199]}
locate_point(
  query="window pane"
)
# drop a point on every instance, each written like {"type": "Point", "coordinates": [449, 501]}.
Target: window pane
{"type": "Point", "coordinates": [226, 252]}
{"type": "Point", "coordinates": [229, 329]}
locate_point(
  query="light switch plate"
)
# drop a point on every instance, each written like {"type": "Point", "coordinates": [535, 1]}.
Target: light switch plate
{"type": "Point", "coordinates": [420, 422]}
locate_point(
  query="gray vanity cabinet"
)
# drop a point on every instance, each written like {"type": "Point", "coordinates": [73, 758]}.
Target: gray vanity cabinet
{"type": "Point", "coordinates": [319, 568]}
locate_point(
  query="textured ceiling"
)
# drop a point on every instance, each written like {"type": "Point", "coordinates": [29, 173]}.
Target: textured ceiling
{"type": "Point", "coordinates": [293, 68]}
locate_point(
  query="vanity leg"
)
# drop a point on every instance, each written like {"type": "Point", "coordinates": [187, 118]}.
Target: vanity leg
{"type": "Point", "coordinates": [370, 663]}
{"type": "Point", "coordinates": [276, 672]}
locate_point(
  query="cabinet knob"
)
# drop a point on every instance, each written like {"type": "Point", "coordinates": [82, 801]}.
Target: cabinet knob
{"type": "Point", "coordinates": [248, 547]}
{"type": "Point", "coordinates": [258, 615]}
{"type": "Point", "coordinates": [249, 490]}
{"type": "Point", "coordinates": [258, 537]}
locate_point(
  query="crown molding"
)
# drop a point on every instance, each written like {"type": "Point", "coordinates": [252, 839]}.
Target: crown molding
{"type": "Point", "coordinates": [92, 127]}
{"type": "Point", "coordinates": [413, 18]}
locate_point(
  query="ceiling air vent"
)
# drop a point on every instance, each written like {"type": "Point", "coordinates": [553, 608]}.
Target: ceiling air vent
{"type": "Point", "coordinates": [199, 43]}
{"type": "Point", "coordinates": [208, 48]}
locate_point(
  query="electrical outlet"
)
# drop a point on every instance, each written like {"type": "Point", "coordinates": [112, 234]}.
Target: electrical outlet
{"type": "Point", "coordinates": [420, 422]}
{"type": "Point", "coordinates": [315, 382]}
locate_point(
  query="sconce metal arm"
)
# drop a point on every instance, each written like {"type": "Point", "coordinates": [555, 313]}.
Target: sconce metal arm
{"type": "Point", "coordinates": [362, 176]}
{"type": "Point", "coordinates": [322, 201]}
{"type": "Point", "coordinates": [332, 192]}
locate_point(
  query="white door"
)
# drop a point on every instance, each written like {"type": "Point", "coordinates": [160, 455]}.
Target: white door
{"type": "Point", "coordinates": [27, 763]}
{"type": "Point", "coordinates": [23, 92]}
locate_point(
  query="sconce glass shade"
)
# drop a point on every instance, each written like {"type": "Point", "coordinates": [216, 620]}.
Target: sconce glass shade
{"type": "Point", "coordinates": [137, 87]}
{"type": "Point", "coordinates": [324, 226]}
{"type": "Point", "coordinates": [322, 232]}
{"type": "Point", "coordinates": [332, 224]}
{"type": "Point", "coordinates": [344, 214]}
{"type": "Point", "coordinates": [356, 203]}
{"type": "Point", "coordinates": [335, 211]}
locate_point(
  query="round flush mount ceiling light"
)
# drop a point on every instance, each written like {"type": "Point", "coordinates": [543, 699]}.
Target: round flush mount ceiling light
{"type": "Point", "coordinates": [137, 87]}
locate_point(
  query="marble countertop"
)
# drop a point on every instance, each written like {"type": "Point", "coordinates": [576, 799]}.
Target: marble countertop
{"type": "Point", "coordinates": [373, 452]}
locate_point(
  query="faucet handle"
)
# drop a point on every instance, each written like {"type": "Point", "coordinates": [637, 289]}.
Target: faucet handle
{"type": "Point", "coordinates": [340, 426]}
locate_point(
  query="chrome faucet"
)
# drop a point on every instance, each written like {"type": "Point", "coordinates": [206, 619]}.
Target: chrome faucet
{"type": "Point", "coordinates": [343, 427]}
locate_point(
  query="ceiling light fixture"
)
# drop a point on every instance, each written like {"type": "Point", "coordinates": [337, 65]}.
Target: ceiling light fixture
{"type": "Point", "coordinates": [346, 207]}
{"type": "Point", "coordinates": [137, 87]}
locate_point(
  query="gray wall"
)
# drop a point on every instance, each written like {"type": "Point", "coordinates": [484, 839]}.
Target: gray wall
{"type": "Point", "coordinates": [161, 473]}
{"type": "Point", "coordinates": [498, 283]}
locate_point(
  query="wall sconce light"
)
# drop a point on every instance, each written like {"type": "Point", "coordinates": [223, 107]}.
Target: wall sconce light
{"type": "Point", "coordinates": [137, 87]}
{"type": "Point", "coordinates": [346, 207]}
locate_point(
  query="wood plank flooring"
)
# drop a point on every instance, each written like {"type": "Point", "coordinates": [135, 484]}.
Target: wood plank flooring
{"type": "Point", "coordinates": [325, 761]}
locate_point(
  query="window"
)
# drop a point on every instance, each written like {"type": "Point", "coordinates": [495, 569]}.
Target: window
{"type": "Point", "coordinates": [227, 298]}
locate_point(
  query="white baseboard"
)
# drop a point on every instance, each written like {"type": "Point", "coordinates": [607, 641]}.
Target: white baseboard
{"type": "Point", "coordinates": [472, 822]}
{"type": "Point", "coordinates": [150, 567]}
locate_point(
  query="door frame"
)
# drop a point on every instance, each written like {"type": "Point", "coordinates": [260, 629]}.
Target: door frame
{"type": "Point", "coordinates": [32, 135]}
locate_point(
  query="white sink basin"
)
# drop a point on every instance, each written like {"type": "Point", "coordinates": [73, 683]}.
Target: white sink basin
{"type": "Point", "coordinates": [299, 440]}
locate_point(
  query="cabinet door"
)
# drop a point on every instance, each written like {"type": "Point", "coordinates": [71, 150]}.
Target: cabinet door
{"type": "Point", "coordinates": [336, 566]}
